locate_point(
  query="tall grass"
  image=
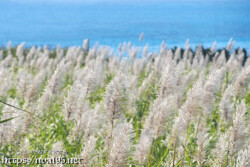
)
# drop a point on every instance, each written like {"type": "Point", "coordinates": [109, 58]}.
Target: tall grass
{"type": "Point", "coordinates": [173, 108]}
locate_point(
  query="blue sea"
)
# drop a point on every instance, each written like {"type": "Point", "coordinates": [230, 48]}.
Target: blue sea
{"type": "Point", "coordinates": [110, 23]}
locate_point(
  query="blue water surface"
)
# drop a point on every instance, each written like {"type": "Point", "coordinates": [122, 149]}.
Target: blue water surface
{"type": "Point", "coordinates": [67, 24]}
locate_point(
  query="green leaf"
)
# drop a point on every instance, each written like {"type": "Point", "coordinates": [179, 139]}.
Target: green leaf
{"type": "Point", "coordinates": [6, 120]}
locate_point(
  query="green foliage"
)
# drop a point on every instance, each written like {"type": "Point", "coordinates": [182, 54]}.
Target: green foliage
{"type": "Point", "coordinates": [142, 108]}
{"type": "Point", "coordinates": [6, 120]}
{"type": "Point", "coordinates": [12, 93]}
{"type": "Point", "coordinates": [96, 96]}
{"type": "Point", "coordinates": [157, 151]}
{"type": "Point", "coordinates": [108, 78]}
{"type": "Point", "coordinates": [141, 78]}
{"type": "Point", "coordinates": [247, 99]}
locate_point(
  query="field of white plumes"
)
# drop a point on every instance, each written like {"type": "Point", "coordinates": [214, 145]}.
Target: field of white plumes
{"type": "Point", "coordinates": [177, 107]}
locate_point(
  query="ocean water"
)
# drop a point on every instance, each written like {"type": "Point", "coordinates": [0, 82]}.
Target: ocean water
{"type": "Point", "coordinates": [67, 24]}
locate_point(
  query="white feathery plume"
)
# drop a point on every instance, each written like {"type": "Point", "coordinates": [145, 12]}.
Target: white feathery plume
{"type": "Point", "coordinates": [7, 61]}
{"type": "Point", "coordinates": [211, 87]}
{"type": "Point", "coordinates": [120, 47]}
{"type": "Point", "coordinates": [163, 48]}
{"type": "Point", "coordinates": [59, 56]}
{"type": "Point", "coordinates": [25, 148]}
{"type": "Point", "coordinates": [168, 82]}
{"type": "Point", "coordinates": [170, 54]}
{"type": "Point", "coordinates": [115, 102]}
{"type": "Point", "coordinates": [55, 81]}
{"type": "Point", "coordinates": [230, 44]}
{"type": "Point", "coordinates": [132, 54]}
{"type": "Point", "coordinates": [187, 45]}
{"type": "Point", "coordinates": [202, 142]}
{"type": "Point", "coordinates": [220, 150]}
{"type": "Point", "coordinates": [226, 105]}
{"type": "Point", "coordinates": [14, 127]}
{"type": "Point", "coordinates": [221, 61]}
{"type": "Point", "coordinates": [33, 89]}
{"type": "Point", "coordinates": [242, 81]}
{"type": "Point", "coordinates": [143, 147]}
{"type": "Point", "coordinates": [9, 47]}
{"type": "Point", "coordinates": [243, 159]}
{"type": "Point", "coordinates": [213, 47]}
{"type": "Point", "coordinates": [189, 79]}
{"type": "Point", "coordinates": [238, 129]}
{"type": "Point", "coordinates": [19, 53]}
{"type": "Point", "coordinates": [196, 61]}
{"type": "Point", "coordinates": [232, 64]}
{"type": "Point", "coordinates": [202, 62]}
{"type": "Point", "coordinates": [53, 86]}
{"type": "Point", "coordinates": [82, 104]}
{"type": "Point", "coordinates": [188, 109]}
{"type": "Point", "coordinates": [149, 122]}
{"type": "Point", "coordinates": [113, 64]}
{"type": "Point", "coordinates": [19, 50]}
{"type": "Point", "coordinates": [149, 65]}
{"type": "Point", "coordinates": [158, 66]}
{"type": "Point", "coordinates": [82, 75]}
{"type": "Point", "coordinates": [80, 61]}
{"type": "Point", "coordinates": [71, 55]}
{"type": "Point", "coordinates": [121, 145]}
{"type": "Point", "coordinates": [247, 63]}
{"type": "Point", "coordinates": [87, 86]}
{"type": "Point", "coordinates": [42, 61]}
{"type": "Point", "coordinates": [154, 125]}
{"type": "Point", "coordinates": [133, 82]}
{"type": "Point", "coordinates": [91, 77]}
{"type": "Point", "coordinates": [177, 54]}
{"type": "Point", "coordinates": [141, 36]}
{"type": "Point", "coordinates": [146, 82]}
{"type": "Point", "coordinates": [124, 47]}
{"type": "Point", "coordinates": [91, 55]}
{"type": "Point", "coordinates": [78, 107]}
{"type": "Point", "coordinates": [185, 55]}
{"type": "Point", "coordinates": [162, 112]}
{"type": "Point", "coordinates": [132, 103]}
{"type": "Point", "coordinates": [87, 153]}
{"type": "Point", "coordinates": [179, 82]}
{"type": "Point", "coordinates": [206, 60]}
{"type": "Point", "coordinates": [215, 57]}
{"type": "Point", "coordinates": [31, 53]}
{"type": "Point", "coordinates": [138, 65]}
{"type": "Point", "coordinates": [129, 45]}
{"type": "Point", "coordinates": [24, 80]}
{"type": "Point", "coordinates": [115, 98]}
{"type": "Point", "coordinates": [240, 56]}
{"type": "Point", "coordinates": [1, 55]}
{"type": "Point", "coordinates": [70, 102]}
{"type": "Point", "coordinates": [145, 50]}
{"type": "Point", "coordinates": [6, 80]}
{"type": "Point", "coordinates": [45, 48]}
{"type": "Point", "coordinates": [91, 121]}
{"type": "Point", "coordinates": [195, 64]}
